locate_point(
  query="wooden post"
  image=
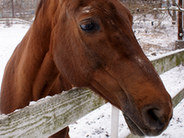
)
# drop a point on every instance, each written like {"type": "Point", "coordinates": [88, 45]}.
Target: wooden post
{"type": "Point", "coordinates": [13, 10]}
{"type": "Point", "coordinates": [180, 43]}
{"type": "Point", "coordinates": [114, 122]}
{"type": "Point", "coordinates": [183, 15]}
{"type": "Point", "coordinates": [180, 28]}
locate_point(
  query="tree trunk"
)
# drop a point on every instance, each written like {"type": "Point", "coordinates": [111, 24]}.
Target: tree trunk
{"type": "Point", "coordinates": [180, 28]}
{"type": "Point", "coordinates": [174, 12]}
{"type": "Point", "coordinates": [13, 10]}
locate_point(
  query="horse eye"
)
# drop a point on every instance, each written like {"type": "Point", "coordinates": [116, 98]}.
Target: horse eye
{"type": "Point", "coordinates": [89, 27]}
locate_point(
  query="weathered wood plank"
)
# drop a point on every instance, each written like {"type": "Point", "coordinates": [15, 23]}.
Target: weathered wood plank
{"type": "Point", "coordinates": [168, 61]}
{"type": "Point", "coordinates": [178, 98]}
{"type": "Point", "coordinates": [50, 115]}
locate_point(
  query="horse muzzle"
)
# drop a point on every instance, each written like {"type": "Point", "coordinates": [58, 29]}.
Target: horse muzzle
{"type": "Point", "coordinates": [154, 121]}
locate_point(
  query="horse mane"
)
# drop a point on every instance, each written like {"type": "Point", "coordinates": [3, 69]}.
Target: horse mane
{"type": "Point", "coordinates": [39, 6]}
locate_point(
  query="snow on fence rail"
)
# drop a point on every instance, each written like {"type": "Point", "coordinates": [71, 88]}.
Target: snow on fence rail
{"type": "Point", "coordinates": [51, 114]}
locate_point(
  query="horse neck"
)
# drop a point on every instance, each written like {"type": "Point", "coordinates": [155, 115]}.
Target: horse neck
{"type": "Point", "coordinates": [45, 78]}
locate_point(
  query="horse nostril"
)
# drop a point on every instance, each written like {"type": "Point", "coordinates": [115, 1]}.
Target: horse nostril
{"type": "Point", "coordinates": [154, 118]}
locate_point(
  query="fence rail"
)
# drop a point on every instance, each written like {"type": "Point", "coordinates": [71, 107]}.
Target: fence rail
{"type": "Point", "coordinates": [14, 21]}
{"type": "Point", "coordinates": [51, 114]}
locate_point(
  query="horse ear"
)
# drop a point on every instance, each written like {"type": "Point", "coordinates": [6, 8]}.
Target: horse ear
{"type": "Point", "coordinates": [130, 17]}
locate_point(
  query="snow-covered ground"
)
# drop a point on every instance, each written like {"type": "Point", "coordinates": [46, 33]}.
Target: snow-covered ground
{"type": "Point", "coordinates": [9, 38]}
{"type": "Point", "coordinates": [97, 124]}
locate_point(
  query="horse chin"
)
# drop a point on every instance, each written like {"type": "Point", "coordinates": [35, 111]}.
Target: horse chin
{"type": "Point", "coordinates": [133, 127]}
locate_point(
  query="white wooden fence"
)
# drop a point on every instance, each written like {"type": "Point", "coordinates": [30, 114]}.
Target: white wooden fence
{"type": "Point", "coordinates": [51, 114]}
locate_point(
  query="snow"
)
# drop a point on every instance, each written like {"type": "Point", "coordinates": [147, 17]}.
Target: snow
{"type": "Point", "coordinates": [176, 127]}
{"type": "Point", "coordinates": [97, 123]}
{"type": "Point", "coordinates": [9, 38]}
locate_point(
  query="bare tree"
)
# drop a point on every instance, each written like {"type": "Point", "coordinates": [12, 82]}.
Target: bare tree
{"type": "Point", "coordinates": [13, 10]}
{"type": "Point", "coordinates": [174, 12]}
{"type": "Point", "coordinates": [142, 6]}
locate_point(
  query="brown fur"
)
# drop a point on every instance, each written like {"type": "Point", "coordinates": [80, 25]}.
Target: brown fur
{"type": "Point", "coordinates": [56, 55]}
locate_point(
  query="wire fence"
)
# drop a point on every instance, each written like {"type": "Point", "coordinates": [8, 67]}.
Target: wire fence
{"type": "Point", "coordinates": [145, 7]}
{"type": "Point", "coordinates": [24, 9]}
{"type": "Point", "coordinates": [142, 6]}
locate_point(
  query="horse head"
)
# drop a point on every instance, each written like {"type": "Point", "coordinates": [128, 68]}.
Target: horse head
{"type": "Point", "coordinates": [94, 46]}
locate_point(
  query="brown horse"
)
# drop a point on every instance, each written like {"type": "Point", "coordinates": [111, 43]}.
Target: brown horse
{"type": "Point", "coordinates": [87, 43]}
